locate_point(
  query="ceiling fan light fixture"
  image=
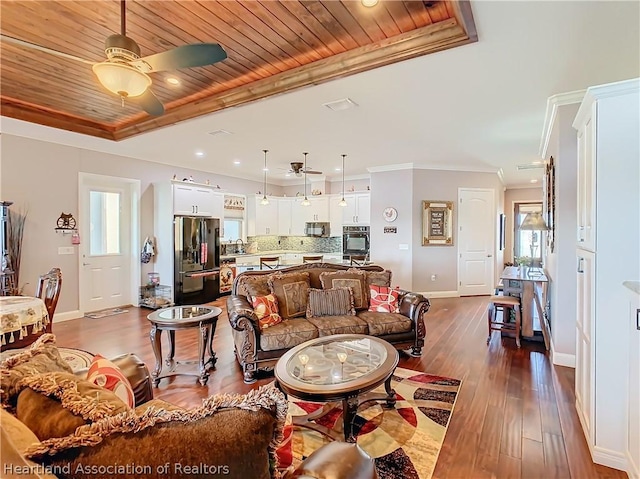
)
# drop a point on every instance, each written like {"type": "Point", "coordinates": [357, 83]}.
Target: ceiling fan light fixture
{"type": "Point", "coordinates": [265, 201]}
{"type": "Point", "coordinates": [369, 3]}
{"type": "Point", "coordinates": [343, 202]}
{"type": "Point", "coordinates": [121, 79]}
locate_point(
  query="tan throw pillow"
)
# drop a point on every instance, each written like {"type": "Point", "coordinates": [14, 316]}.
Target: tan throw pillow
{"type": "Point", "coordinates": [330, 302]}
{"type": "Point", "coordinates": [55, 404]}
{"type": "Point", "coordinates": [292, 291]}
{"type": "Point", "coordinates": [379, 278]}
{"type": "Point", "coordinates": [233, 436]}
{"type": "Point", "coordinates": [351, 278]}
{"type": "Point", "coordinates": [257, 285]}
{"type": "Point", "coordinates": [41, 357]}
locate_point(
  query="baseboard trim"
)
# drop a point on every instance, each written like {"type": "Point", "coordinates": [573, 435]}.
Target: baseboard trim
{"type": "Point", "coordinates": [562, 359]}
{"type": "Point", "coordinates": [609, 458]}
{"type": "Point", "coordinates": [632, 469]}
{"type": "Point", "coordinates": [441, 294]}
{"type": "Point", "coordinates": [68, 316]}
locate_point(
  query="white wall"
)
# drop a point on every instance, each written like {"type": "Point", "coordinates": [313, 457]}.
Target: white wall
{"type": "Point", "coordinates": [42, 177]}
{"type": "Point", "coordinates": [511, 197]}
{"type": "Point", "coordinates": [561, 264]}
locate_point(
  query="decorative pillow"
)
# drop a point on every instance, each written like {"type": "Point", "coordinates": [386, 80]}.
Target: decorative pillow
{"type": "Point", "coordinates": [247, 429]}
{"type": "Point", "coordinates": [105, 374]}
{"type": "Point", "coordinates": [41, 357]}
{"type": "Point", "coordinates": [379, 278]}
{"type": "Point", "coordinates": [351, 278]}
{"type": "Point", "coordinates": [330, 302]}
{"type": "Point", "coordinates": [383, 299]}
{"type": "Point", "coordinates": [55, 404]}
{"type": "Point", "coordinates": [292, 291]}
{"type": "Point", "coordinates": [266, 310]}
{"type": "Point", "coordinates": [257, 285]}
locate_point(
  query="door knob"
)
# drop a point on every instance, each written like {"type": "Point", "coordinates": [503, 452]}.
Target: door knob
{"type": "Point", "coordinates": [489, 256]}
{"type": "Point", "coordinates": [86, 264]}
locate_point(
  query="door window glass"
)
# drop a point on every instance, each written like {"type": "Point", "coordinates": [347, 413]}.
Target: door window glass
{"type": "Point", "coordinates": [527, 244]}
{"type": "Point", "coordinates": [104, 212]}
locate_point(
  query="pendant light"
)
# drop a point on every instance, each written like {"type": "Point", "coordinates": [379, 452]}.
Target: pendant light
{"type": "Point", "coordinates": [265, 200]}
{"type": "Point", "coordinates": [343, 202]}
{"type": "Point", "coordinates": [306, 201]}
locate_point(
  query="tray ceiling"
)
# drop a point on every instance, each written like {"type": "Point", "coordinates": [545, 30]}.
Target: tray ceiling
{"type": "Point", "coordinates": [272, 47]}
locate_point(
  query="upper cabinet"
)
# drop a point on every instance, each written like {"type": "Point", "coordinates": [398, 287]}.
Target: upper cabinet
{"type": "Point", "coordinates": [262, 219]}
{"type": "Point", "coordinates": [192, 200]}
{"type": "Point", "coordinates": [358, 209]}
{"type": "Point", "coordinates": [285, 208]}
{"type": "Point", "coordinates": [586, 186]}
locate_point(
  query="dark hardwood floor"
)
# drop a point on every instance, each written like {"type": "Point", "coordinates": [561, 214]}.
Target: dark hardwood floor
{"type": "Point", "coordinates": [514, 416]}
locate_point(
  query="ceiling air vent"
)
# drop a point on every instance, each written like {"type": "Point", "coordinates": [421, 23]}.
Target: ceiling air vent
{"type": "Point", "coordinates": [219, 132]}
{"type": "Point", "coordinates": [340, 105]}
{"type": "Point", "coordinates": [531, 166]}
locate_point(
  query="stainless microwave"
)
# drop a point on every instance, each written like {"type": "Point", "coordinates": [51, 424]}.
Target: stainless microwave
{"type": "Point", "coordinates": [320, 229]}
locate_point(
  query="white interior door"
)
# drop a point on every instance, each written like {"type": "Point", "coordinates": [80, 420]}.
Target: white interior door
{"type": "Point", "coordinates": [476, 241]}
{"type": "Point", "coordinates": [107, 219]}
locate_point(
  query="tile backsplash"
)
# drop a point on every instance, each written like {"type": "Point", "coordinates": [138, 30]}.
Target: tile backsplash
{"type": "Point", "coordinates": [307, 244]}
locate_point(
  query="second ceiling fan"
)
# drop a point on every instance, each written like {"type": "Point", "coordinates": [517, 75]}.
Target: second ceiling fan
{"type": "Point", "coordinates": [125, 73]}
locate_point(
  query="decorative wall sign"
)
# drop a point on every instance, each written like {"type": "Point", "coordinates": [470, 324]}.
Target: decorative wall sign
{"type": "Point", "coordinates": [437, 223]}
{"type": "Point", "coordinates": [232, 202]}
{"type": "Point", "coordinates": [502, 225]}
{"type": "Point", "coordinates": [549, 201]}
{"type": "Point", "coordinates": [66, 221]}
{"type": "Point", "coordinates": [390, 229]}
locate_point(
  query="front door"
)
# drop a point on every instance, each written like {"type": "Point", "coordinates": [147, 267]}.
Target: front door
{"type": "Point", "coordinates": [476, 245]}
{"type": "Point", "coordinates": [106, 259]}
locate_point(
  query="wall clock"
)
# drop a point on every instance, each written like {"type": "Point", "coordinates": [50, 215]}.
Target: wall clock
{"type": "Point", "coordinates": [390, 214]}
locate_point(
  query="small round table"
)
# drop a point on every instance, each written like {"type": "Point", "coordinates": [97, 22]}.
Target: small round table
{"type": "Point", "coordinates": [342, 367]}
{"type": "Point", "coordinates": [184, 317]}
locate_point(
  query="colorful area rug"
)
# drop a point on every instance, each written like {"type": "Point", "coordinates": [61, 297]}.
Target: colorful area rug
{"type": "Point", "coordinates": [105, 312]}
{"type": "Point", "coordinates": [77, 358]}
{"type": "Point", "coordinates": [404, 441]}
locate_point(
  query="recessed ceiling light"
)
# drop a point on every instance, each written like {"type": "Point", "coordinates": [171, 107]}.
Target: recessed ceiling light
{"type": "Point", "coordinates": [369, 3]}
{"type": "Point", "coordinates": [534, 181]}
{"type": "Point", "coordinates": [173, 81]}
{"type": "Point", "coordinates": [265, 169]}
{"type": "Point", "coordinates": [199, 154]}
{"type": "Point", "coordinates": [536, 162]}
{"type": "Point", "coordinates": [339, 105]}
{"type": "Point", "coordinates": [236, 162]}
{"type": "Point", "coordinates": [337, 169]}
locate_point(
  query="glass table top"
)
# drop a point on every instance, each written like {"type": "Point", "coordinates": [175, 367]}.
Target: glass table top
{"type": "Point", "coordinates": [179, 313]}
{"type": "Point", "coordinates": [334, 362]}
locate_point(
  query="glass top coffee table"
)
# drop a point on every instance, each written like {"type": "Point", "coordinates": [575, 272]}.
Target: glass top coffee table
{"type": "Point", "coordinates": [342, 367]}
{"type": "Point", "coordinates": [184, 317]}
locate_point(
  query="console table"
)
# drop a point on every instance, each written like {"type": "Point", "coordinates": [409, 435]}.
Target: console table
{"type": "Point", "coordinates": [530, 284]}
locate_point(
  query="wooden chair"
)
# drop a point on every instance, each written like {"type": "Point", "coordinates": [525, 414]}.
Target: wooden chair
{"type": "Point", "coordinates": [358, 259]}
{"type": "Point", "coordinates": [269, 262]}
{"type": "Point", "coordinates": [312, 259]}
{"type": "Point", "coordinates": [48, 290]}
{"type": "Point", "coordinates": [506, 303]}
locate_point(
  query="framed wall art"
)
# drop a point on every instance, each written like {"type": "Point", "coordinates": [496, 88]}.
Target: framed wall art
{"type": "Point", "coordinates": [549, 201]}
{"type": "Point", "coordinates": [437, 223]}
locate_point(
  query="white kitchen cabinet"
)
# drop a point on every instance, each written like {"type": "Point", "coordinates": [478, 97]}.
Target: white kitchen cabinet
{"type": "Point", "coordinates": [317, 211]}
{"type": "Point", "coordinates": [217, 209]}
{"type": "Point", "coordinates": [335, 215]}
{"type": "Point", "coordinates": [262, 219]}
{"type": "Point", "coordinates": [358, 209]}
{"type": "Point", "coordinates": [633, 404]}
{"type": "Point", "coordinates": [192, 200]}
{"type": "Point", "coordinates": [285, 206]}
{"type": "Point", "coordinates": [608, 125]}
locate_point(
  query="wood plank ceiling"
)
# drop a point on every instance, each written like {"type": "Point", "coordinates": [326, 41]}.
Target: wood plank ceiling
{"type": "Point", "coordinates": [272, 47]}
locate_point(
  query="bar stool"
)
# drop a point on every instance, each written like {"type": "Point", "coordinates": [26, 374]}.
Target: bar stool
{"type": "Point", "coordinates": [312, 259]}
{"type": "Point", "coordinates": [506, 303]}
{"type": "Point", "coordinates": [269, 262]}
{"type": "Point", "coordinates": [358, 259]}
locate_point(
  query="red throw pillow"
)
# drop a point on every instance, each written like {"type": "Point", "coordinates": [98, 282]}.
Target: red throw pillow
{"type": "Point", "coordinates": [105, 374]}
{"type": "Point", "coordinates": [383, 299]}
{"type": "Point", "coordinates": [266, 309]}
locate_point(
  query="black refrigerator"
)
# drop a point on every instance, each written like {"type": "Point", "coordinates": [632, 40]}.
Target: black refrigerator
{"type": "Point", "coordinates": [197, 259]}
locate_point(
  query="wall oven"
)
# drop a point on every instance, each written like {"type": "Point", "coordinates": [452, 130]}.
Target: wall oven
{"type": "Point", "coordinates": [355, 241]}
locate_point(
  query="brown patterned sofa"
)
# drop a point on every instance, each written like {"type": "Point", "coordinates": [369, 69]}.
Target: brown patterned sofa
{"type": "Point", "coordinates": [260, 350]}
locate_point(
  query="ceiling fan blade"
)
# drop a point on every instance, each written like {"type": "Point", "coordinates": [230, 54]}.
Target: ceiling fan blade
{"type": "Point", "coordinates": [186, 56]}
{"type": "Point", "coordinates": [35, 46]}
{"type": "Point", "coordinates": [148, 102]}
{"type": "Point", "coordinates": [312, 172]}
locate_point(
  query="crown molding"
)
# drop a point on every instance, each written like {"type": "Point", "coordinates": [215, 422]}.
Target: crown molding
{"type": "Point", "coordinates": [414, 166]}
{"type": "Point", "coordinates": [553, 102]}
{"type": "Point", "coordinates": [600, 92]}
{"type": "Point", "coordinates": [383, 168]}
{"type": "Point", "coordinates": [530, 186]}
{"type": "Point", "coordinates": [501, 176]}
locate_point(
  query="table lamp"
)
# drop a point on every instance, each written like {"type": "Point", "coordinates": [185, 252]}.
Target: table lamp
{"type": "Point", "coordinates": [533, 222]}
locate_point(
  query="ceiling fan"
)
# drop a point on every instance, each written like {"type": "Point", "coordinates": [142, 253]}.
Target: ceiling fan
{"type": "Point", "coordinates": [125, 73]}
{"type": "Point", "coordinates": [298, 168]}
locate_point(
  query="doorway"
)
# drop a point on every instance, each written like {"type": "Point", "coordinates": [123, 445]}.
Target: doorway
{"type": "Point", "coordinates": [109, 266]}
{"type": "Point", "coordinates": [477, 218]}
